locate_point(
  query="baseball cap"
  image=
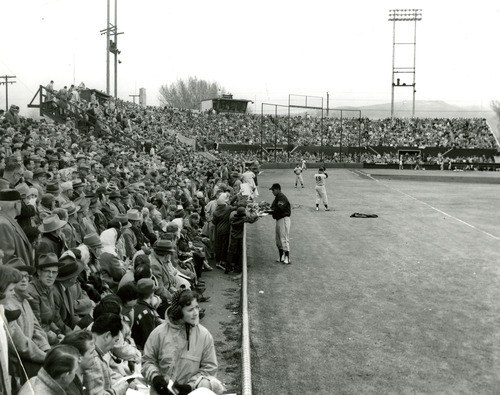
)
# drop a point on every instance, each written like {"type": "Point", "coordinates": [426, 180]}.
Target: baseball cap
{"type": "Point", "coordinates": [275, 186]}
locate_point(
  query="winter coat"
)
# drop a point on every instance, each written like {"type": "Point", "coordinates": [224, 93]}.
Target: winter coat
{"type": "Point", "coordinates": [44, 308]}
{"type": "Point", "coordinates": [30, 340]}
{"type": "Point", "coordinates": [13, 240]}
{"type": "Point", "coordinates": [42, 384]}
{"type": "Point", "coordinates": [182, 353]}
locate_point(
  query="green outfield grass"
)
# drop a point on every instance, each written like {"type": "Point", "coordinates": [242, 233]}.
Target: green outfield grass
{"type": "Point", "coordinates": [405, 303]}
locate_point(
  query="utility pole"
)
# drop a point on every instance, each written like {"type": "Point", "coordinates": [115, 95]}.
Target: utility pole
{"type": "Point", "coordinates": [111, 46]}
{"type": "Point", "coordinates": [327, 103]}
{"type": "Point", "coordinates": [7, 82]}
{"type": "Point", "coordinates": [134, 96]}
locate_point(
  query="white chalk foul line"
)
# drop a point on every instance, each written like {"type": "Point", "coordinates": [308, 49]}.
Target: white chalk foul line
{"type": "Point", "coordinates": [432, 207]}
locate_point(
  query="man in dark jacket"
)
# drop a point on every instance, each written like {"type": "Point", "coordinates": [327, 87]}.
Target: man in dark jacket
{"type": "Point", "coordinates": [52, 239]}
{"type": "Point", "coordinates": [281, 210]}
{"type": "Point", "coordinates": [237, 220]}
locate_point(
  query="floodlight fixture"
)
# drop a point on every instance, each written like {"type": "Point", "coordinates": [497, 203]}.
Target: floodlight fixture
{"type": "Point", "coordinates": [414, 14]}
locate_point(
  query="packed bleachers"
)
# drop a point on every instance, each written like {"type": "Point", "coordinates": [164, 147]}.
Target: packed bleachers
{"type": "Point", "coordinates": [110, 236]}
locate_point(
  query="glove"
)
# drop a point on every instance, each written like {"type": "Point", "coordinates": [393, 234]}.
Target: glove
{"type": "Point", "coordinates": [183, 389]}
{"type": "Point", "coordinates": [160, 385]}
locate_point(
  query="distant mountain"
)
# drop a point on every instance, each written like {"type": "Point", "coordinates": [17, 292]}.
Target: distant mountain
{"type": "Point", "coordinates": [423, 108]}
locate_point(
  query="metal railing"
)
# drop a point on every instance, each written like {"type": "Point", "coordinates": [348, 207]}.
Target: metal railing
{"type": "Point", "coordinates": [245, 342]}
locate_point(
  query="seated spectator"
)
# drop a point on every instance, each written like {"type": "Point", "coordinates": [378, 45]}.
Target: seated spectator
{"type": "Point", "coordinates": [30, 339]}
{"type": "Point", "coordinates": [41, 290]}
{"type": "Point", "coordinates": [113, 268]}
{"type": "Point", "coordinates": [83, 341]}
{"type": "Point", "coordinates": [68, 293]}
{"type": "Point", "coordinates": [13, 240]}
{"type": "Point", "coordinates": [145, 316]}
{"type": "Point", "coordinates": [51, 240]}
{"type": "Point", "coordinates": [57, 373]}
{"type": "Point", "coordinates": [187, 338]}
{"type": "Point", "coordinates": [99, 379]}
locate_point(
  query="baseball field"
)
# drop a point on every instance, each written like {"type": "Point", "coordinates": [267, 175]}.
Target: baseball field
{"type": "Point", "coordinates": [405, 303]}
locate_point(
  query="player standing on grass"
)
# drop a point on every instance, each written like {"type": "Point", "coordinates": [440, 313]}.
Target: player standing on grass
{"type": "Point", "coordinates": [298, 175]}
{"type": "Point", "coordinates": [320, 188]}
{"type": "Point", "coordinates": [281, 211]}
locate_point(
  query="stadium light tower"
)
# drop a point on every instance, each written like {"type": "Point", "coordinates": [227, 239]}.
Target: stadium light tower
{"type": "Point", "coordinates": [404, 15]}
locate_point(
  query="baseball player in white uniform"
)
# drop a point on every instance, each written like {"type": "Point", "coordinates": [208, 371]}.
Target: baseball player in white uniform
{"type": "Point", "coordinates": [320, 188]}
{"type": "Point", "coordinates": [298, 175]}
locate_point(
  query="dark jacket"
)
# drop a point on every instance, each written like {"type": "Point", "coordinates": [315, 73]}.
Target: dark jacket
{"type": "Point", "coordinates": [50, 243]}
{"type": "Point", "coordinates": [280, 206]}
{"type": "Point", "coordinates": [221, 220]}
{"type": "Point", "coordinates": [146, 319]}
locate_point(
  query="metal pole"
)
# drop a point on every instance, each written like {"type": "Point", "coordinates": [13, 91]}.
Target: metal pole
{"type": "Point", "coordinates": [414, 65]}
{"type": "Point", "coordinates": [341, 132]}
{"type": "Point", "coordinates": [261, 129]}
{"type": "Point", "coordinates": [107, 50]}
{"type": "Point", "coordinates": [359, 138]}
{"type": "Point", "coordinates": [288, 129]}
{"type": "Point", "coordinates": [275, 130]}
{"type": "Point", "coordinates": [321, 131]}
{"type": "Point", "coordinates": [327, 103]}
{"type": "Point", "coordinates": [6, 95]}
{"type": "Point", "coordinates": [116, 46]}
{"type": "Point", "coordinates": [393, 55]}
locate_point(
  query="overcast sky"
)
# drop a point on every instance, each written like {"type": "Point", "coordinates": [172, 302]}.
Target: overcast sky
{"type": "Point", "coordinates": [257, 50]}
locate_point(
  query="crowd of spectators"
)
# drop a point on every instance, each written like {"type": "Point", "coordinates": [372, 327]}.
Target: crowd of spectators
{"type": "Point", "coordinates": [104, 238]}
{"type": "Point", "coordinates": [306, 130]}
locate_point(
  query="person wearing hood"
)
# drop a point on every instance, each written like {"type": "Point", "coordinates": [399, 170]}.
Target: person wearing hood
{"type": "Point", "coordinates": [181, 350]}
{"type": "Point", "coordinates": [112, 267]}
